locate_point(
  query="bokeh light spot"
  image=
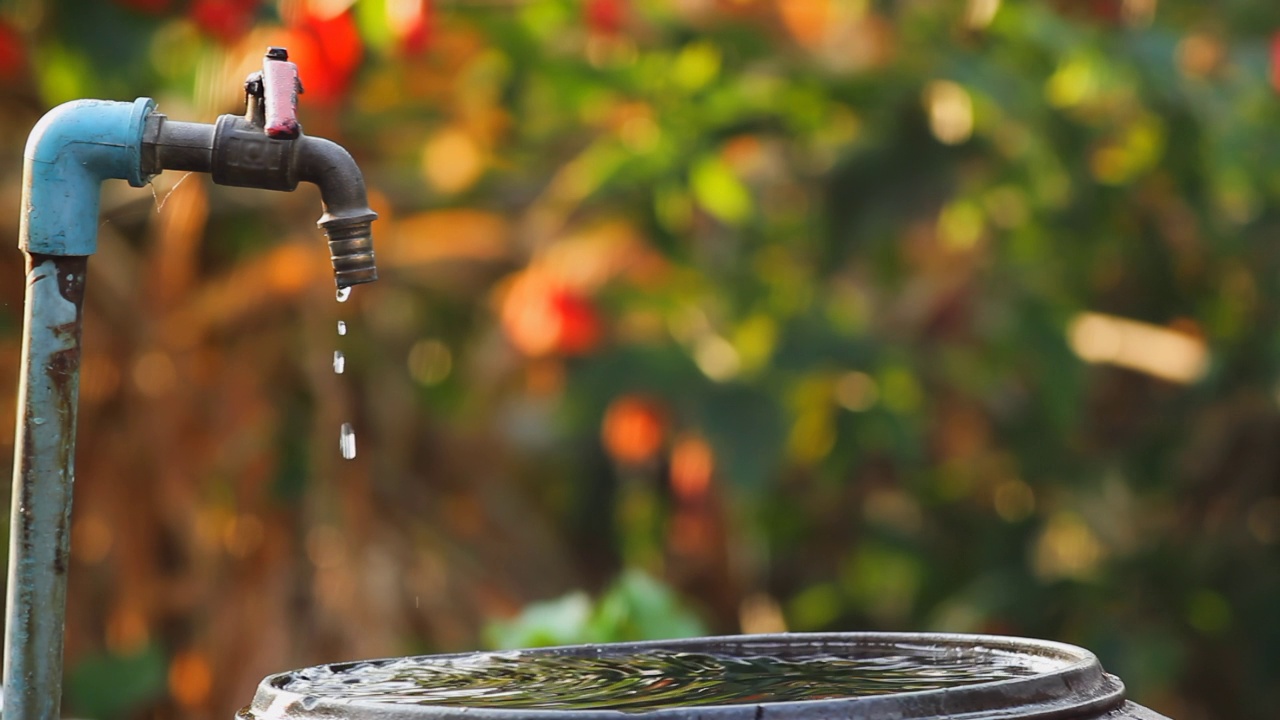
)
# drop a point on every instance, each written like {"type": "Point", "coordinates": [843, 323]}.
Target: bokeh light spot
{"type": "Point", "coordinates": [856, 391]}
{"type": "Point", "coordinates": [452, 160]}
{"type": "Point", "coordinates": [633, 429]}
{"type": "Point", "coordinates": [429, 362]}
{"type": "Point", "coordinates": [950, 111]}
{"type": "Point", "coordinates": [190, 679]}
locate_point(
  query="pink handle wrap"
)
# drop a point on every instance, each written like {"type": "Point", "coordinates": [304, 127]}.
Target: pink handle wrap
{"type": "Point", "coordinates": [280, 95]}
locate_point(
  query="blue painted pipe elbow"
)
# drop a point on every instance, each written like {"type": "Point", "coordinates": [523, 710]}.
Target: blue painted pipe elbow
{"type": "Point", "coordinates": [73, 148]}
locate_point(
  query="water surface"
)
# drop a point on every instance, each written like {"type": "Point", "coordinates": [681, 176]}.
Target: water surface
{"type": "Point", "coordinates": [646, 681]}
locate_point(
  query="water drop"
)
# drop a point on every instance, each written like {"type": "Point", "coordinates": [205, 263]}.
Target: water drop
{"type": "Point", "coordinates": [37, 421]}
{"type": "Point", "coordinates": [342, 328]}
{"type": "Point", "coordinates": [339, 362]}
{"type": "Point", "coordinates": [343, 294]}
{"type": "Point", "coordinates": [347, 442]}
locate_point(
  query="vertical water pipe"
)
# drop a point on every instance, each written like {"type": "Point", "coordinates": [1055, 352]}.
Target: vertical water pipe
{"type": "Point", "coordinates": [69, 153]}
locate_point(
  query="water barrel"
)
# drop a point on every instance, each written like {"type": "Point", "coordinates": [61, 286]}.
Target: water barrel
{"type": "Point", "coordinates": [789, 676]}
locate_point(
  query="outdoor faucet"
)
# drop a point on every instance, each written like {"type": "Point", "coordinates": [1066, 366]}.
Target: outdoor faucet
{"type": "Point", "coordinates": [69, 153]}
{"type": "Point", "coordinates": [265, 148]}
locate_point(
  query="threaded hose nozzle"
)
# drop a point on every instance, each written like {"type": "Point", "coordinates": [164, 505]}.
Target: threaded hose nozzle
{"type": "Point", "coordinates": [351, 250]}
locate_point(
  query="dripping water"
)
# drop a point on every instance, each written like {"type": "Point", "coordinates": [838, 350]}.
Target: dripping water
{"type": "Point", "coordinates": [347, 442]}
{"type": "Point", "coordinates": [347, 436]}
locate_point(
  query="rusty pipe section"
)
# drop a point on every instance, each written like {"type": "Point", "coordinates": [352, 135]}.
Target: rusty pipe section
{"type": "Point", "coordinates": [44, 473]}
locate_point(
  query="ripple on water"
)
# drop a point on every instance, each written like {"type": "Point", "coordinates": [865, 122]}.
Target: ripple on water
{"type": "Point", "coordinates": [645, 681]}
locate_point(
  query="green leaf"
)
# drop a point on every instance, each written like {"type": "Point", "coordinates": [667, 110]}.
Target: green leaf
{"type": "Point", "coordinates": [638, 607]}
{"type": "Point", "coordinates": [563, 621]}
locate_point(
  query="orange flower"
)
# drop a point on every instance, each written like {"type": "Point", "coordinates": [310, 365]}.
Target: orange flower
{"type": "Point", "coordinates": [634, 428]}
{"type": "Point", "coordinates": [693, 463]}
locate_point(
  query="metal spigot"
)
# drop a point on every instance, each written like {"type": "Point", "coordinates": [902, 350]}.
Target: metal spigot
{"type": "Point", "coordinates": [266, 148]}
{"type": "Point", "coordinates": [72, 150]}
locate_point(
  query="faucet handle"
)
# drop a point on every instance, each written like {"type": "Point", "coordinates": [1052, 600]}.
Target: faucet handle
{"type": "Point", "coordinates": [280, 89]}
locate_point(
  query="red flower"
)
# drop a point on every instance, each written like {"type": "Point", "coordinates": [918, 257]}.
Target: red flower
{"type": "Point", "coordinates": [327, 52]}
{"type": "Point", "coordinates": [13, 52]}
{"type": "Point", "coordinates": [579, 323]}
{"type": "Point", "coordinates": [417, 29]}
{"type": "Point", "coordinates": [606, 17]}
{"type": "Point", "coordinates": [226, 20]}
{"type": "Point", "coordinates": [542, 317]}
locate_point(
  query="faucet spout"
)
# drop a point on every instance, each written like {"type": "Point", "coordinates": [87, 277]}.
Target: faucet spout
{"type": "Point", "coordinates": [347, 218]}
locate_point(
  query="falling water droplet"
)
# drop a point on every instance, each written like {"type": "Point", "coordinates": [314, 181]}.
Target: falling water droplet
{"type": "Point", "coordinates": [342, 328]}
{"type": "Point", "coordinates": [347, 442]}
{"type": "Point", "coordinates": [343, 294]}
{"type": "Point", "coordinates": [339, 362]}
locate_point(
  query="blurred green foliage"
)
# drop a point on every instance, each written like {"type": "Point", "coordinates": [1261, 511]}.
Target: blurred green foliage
{"type": "Point", "coordinates": [114, 686]}
{"type": "Point", "coordinates": [634, 607]}
{"type": "Point", "coordinates": [831, 314]}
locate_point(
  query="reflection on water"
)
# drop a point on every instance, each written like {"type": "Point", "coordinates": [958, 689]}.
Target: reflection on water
{"type": "Point", "coordinates": [644, 681]}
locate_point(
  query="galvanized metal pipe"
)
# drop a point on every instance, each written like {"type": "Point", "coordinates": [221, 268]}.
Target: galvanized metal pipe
{"type": "Point", "coordinates": [43, 476]}
{"type": "Point", "coordinates": [69, 153]}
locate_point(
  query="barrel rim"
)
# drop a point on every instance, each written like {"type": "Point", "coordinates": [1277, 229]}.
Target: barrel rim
{"type": "Point", "coordinates": [1075, 686]}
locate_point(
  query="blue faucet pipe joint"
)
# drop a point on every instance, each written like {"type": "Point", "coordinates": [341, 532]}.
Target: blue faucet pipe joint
{"type": "Point", "coordinates": [73, 148]}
